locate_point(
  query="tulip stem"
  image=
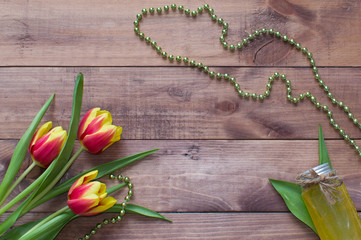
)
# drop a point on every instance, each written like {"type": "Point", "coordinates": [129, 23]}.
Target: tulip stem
{"type": "Point", "coordinates": [22, 176]}
{"type": "Point", "coordinates": [57, 178]}
{"type": "Point", "coordinates": [31, 234]}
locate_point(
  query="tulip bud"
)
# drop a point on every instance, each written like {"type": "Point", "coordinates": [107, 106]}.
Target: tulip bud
{"type": "Point", "coordinates": [89, 198]}
{"type": "Point", "coordinates": [47, 144]}
{"type": "Point", "coordinates": [96, 132]}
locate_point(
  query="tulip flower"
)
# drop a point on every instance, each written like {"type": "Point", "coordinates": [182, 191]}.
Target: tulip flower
{"type": "Point", "coordinates": [96, 132]}
{"type": "Point", "coordinates": [47, 144]}
{"type": "Point", "coordinates": [89, 198]}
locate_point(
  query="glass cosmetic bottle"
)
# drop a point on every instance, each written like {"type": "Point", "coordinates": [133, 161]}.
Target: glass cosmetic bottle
{"type": "Point", "coordinates": [337, 220]}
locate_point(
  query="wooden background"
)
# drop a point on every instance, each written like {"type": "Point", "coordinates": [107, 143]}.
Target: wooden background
{"type": "Point", "coordinates": [217, 151]}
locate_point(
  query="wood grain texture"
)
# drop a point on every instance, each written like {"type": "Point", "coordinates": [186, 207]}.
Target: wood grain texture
{"type": "Point", "coordinates": [100, 33]}
{"type": "Point", "coordinates": [204, 226]}
{"type": "Point", "coordinates": [210, 176]}
{"type": "Point", "coordinates": [181, 103]}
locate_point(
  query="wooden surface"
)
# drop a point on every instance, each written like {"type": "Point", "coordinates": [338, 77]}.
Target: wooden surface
{"type": "Point", "coordinates": [217, 151]}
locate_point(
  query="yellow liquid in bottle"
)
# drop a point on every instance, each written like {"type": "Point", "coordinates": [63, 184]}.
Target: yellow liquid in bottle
{"type": "Point", "coordinates": [333, 222]}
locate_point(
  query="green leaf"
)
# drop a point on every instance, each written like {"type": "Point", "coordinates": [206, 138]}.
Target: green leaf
{"type": "Point", "coordinates": [324, 158]}
{"type": "Point", "coordinates": [132, 208]}
{"type": "Point", "coordinates": [103, 170]}
{"type": "Point", "coordinates": [50, 233]}
{"type": "Point", "coordinates": [292, 195]}
{"type": "Point", "coordinates": [21, 150]}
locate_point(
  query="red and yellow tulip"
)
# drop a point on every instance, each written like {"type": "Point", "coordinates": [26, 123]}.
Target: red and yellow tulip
{"type": "Point", "coordinates": [96, 132]}
{"type": "Point", "coordinates": [47, 144]}
{"type": "Point", "coordinates": [89, 198]}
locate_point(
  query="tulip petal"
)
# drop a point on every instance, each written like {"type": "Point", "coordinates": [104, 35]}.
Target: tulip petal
{"type": "Point", "coordinates": [40, 132]}
{"type": "Point", "coordinates": [82, 205]}
{"type": "Point", "coordinates": [83, 179]}
{"type": "Point", "coordinates": [116, 137]}
{"type": "Point", "coordinates": [88, 118]}
{"type": "Point", "coordinates": [104, 205]}
{"type": "Point", "coordinates": [96, 142]}
{"type": "Point", "coordinates": [97, 123]}
{"type": "Point", "coordinates": [85, 190]}
{"type": "Point", "coordinates": [48, 147]}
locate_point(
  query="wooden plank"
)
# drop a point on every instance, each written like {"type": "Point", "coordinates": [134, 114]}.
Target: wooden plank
{"type": "Point", "coordinates": [209, 176]}
{"type": "Point", "coordinates": [100, 33]}
{"type": "Point", "coordinates": [181, 103]}
{"type": "Point", "coordinates": [213, 226]}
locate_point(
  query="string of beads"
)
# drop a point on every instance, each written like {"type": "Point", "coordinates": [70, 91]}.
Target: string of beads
{"type": "Point", "coordinates": [241, 45]}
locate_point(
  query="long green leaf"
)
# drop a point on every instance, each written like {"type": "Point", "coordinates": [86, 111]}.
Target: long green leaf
{"type": "Point", "coordinates": [324, 158]}
{"type": "Point", "coordinates": [292, 195]}
{"type": "Point", "coordinates": [21, 150]}
{"type": "Point", "coordinates": [49, 234]}
{"type": "Point", "coordinates": [103, 170]}
{"type": "Point", "coordinates": [136, 209]}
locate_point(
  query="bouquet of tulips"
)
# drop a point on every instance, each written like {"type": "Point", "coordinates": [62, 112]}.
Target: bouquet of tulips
{"type": "Point", "coordinates": [51, 148]}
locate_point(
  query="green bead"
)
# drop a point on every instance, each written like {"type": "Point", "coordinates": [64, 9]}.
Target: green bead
{"type": "Point", "coordinates": [309, 55]}
{"type": "Point", "coordinates": [355, 121]}
{"type": "Point", "coordinates": [221, 38]}
{"type": "Point", "coordinates": [271, 31]}
{"type": "Point", "coordinates": [178, 58]}
{"type": "Point", "coordinates": [283, 77]}
{"type": "Point", "coordinates": [329, 95]}
{"type": "Point", "coordinates": [159, 49]}
{"type": "Point", "coordinates": [312, 62]}
{"type": "Point", "coordinates": [352, 142]}
{"type": "Point", "coordinates": [291, 41]}
{"type": "Point", "coordinates": [192, 63]}
{"type": "Point", "coordinates": [289, 97]}
{"type": "Point", "coordinates": [164, 54]}
{"type": "Point", "coordinates": [105, 221]}
{"type": "Point", "coordinates": [225, 25]}
{"type": "Point", "coordinates": [123, 205]}
{"type": "Point", "coordinates": [122, 213]}
{"type": "Point", "coordinates": [332, 121]}
{"type": "Point", "coordinates": [187, 11]}
{"type": "Point", "coordinates": [289, 90]}
{"type": "Point", "coordinates": [200, 9]}
{"type": "Point", "coordinates": [218, 75]}
{"type": "Point", "coordinates": [154, 44]}
{"type": "Point", "coordinates": [313, 99]}
{"type": "Point", "coordinates": [246, 95]}
{"type": "Point", "coordinates": [245, 41]}
{"type": "Point", "coordinates": [180, 8]}
{"type": "Point", "coordinates": [151, 10]}
{"type": "Point", "coordinates": [254, 96]}
{"type": "Point", "coordinates": [340, 104]}
{"type": "Point", "coordinates": [298, 46]}
{"type": "Point", "coordinates": [220, 20]}
{"type": "Point", "coordinates": [111, 176]}
{"type": "Point", "coordinates": [194, 13]}
{"type": "Point", "coordinates": [232, 47]}
{"type": "Point", "coordinates": [261, 97]}
{"type": "Point", "coordinates": [159, 10]}
{"type": "Point", "coordinates": [314, 69]}
{"type": "Point", "coordinates": [325, 108]}
{"type": "Point", "coordinates": [136, 30]}
{"type": "Point", "coordinates": [206, 6]}
{"type": "Point", "coordinates": [318, 105]}
{"type": "Point", "coordinates": [119, 218]}
{"type": "Point", "coordinates": [113, 220]}
{"type": "Point", "coordinates": [225, 44]}
{"type": "Point", "coordinates": [346, 109]}
{"type": "Point", "coordinates": [267, 93]}
{"type": "Point", "coordinates": [317, 76]}
{"type": "Point", "coordinates": [304, 50]}
{"type": "Point", "coordinates": [171, 57]}
{"type": "Point", "coordinates": [276, 75]}
{"type": "Point", "coordinates": [130, 185]}
{"type": "Point", "coordinates": [350, 115]}
{"type": "Point", "coordinates": [139, 16]}
{"type": "Point", "coordinates": [268, 86]}
{"type": "Point", "coordinates": [205, 69]}
{"type": "Point", "coordinates": [256, 33]}
{"type": "Point", "coordinates": [214, 17]}
{"type": "Point", "coordinates": [333, 100]}
{"type": "Point", "coordinates": [147, 39]}
{"type": "Point", "coordinates": [263, 30]}
{"type": "Point", "coordinates": [166, 8]}
{"type": "Point", "coordinates": [224, 32]}
{"type": "Point", "coordinates": [226, 76]}
{"type": "Point", "coordinates": [308, 94]}
{"type": "Point", "coordinates": [130, 192]}
{"type": "Point", "coordinates": [357, 148]}
{"type": "Point", "coordinates": [329, 113]}
{"type": "Point", "coordinates": [236, 85]}
{"type": "Point", "coordinates": [86, 236]}
{"type": "Point", "coordinates": [210, 10]}
{"type": "Point", "coordinates": [141, 35]}
{"type": "Point", "coordinates": [294, 100]}
{"type": "Point", "coordinates": [346, 137]}
{"type": "Point", "coordinates": [211, 74]}
{"type": "Point", "coordinates": [278, 34]}
{"type": "Point", "coordinates": [288, 82]}
{"type": "Point", "coordinates": [200, 65]}
{"type": "Point", "coordinates": [136, 23]}
{"type": "Point", "coordinates": [250, 36]}
{"type": "Point", "coordinates": [270, 79]}
{"type": "Point", "coordinates": [185, 60]}
{"type": "Point", "coordinates": [239, 45]}
{"type": "Point", "coordinates": [127, 198]}
{"type": "Point", "coordinates": [285, 38]}
{"type": "Point", "coordinates": [232, 80]}
{"type": "Point", "coordinates": [342, 132]}
{"type": "Point", "coordinates": [126, 179]}
{"type": "Point", "coordinates": [173, 6]}
{"type": "Point", "coordinates": [144, 11]}
{"type": "Point", "coordinates": [302, 96]}
{"type": "Point", "coordinates": [93, 232]}
{"type": "Point", "coordinates": [240, 93]}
